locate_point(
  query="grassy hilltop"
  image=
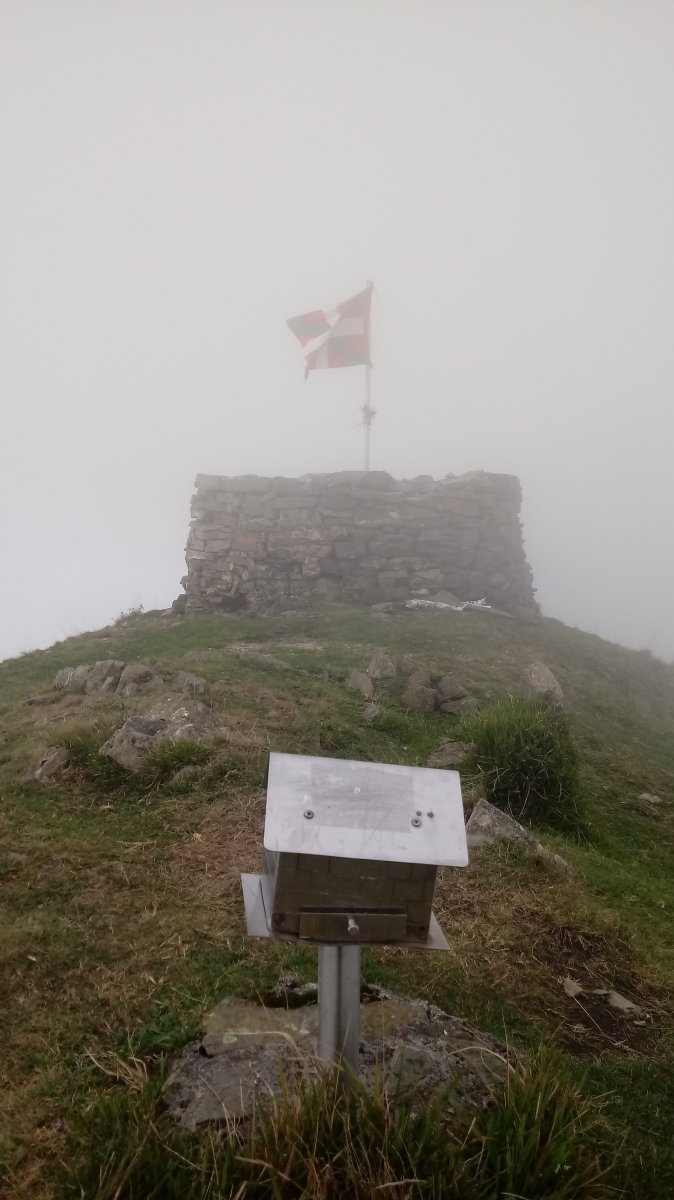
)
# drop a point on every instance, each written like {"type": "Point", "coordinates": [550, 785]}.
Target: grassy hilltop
{"type": "Point", "coordinates": [120, 912]}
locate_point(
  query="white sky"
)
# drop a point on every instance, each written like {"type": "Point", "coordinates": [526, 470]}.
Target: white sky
{"type": "Point", "coordinates": [178, 178]}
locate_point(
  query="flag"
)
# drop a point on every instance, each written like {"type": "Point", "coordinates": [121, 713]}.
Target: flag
{"type": "Point", "coordinates": [338, 338]}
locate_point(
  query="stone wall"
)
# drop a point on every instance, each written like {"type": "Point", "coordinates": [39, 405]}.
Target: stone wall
{"type": "Point", "coordinates": [355, 536]}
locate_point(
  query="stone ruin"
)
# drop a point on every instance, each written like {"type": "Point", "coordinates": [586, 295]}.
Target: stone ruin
{"type": "Point", "coordinates": [355, 536]}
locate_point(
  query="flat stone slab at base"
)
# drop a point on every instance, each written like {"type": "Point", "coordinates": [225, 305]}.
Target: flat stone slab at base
{"type": "Point", "coordinates": [248, 1053]}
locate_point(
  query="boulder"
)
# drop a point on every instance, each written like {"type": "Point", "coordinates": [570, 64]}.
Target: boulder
{"type": "Point", "coordinates": [539, 684]}
{"type": "Point", "coordinates": [250, 1054]}
{"type": "Point", "coordinates": [382, 667]}
{"type": "Point", "coordinates": [371, 712]}
{"type": "Point", "coordinates": [418, 696]}
{"type": "Point", "coordinates": [167, 722]}
{"type": "Point", "coordinates": [419, 677]}
{"type": "Point", "coordinates": [179, 606]}
{"type": "Point", "coordinates": [136, 677]}
{"type": "Point", "coordinates": [451, 688]}
{"type": "Point", "coordinates": [450, 754]}
{"type": "Point", "coordinates": [488, 824]}
{"type": "Point", "coordinates": [100, 676]}
{"type": "Point", "coordinates": [358, 681]}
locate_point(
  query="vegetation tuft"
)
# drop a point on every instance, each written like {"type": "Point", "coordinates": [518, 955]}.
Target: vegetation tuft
{"type": "Point", "coordinates": [527, 763]}
{"type": "Point", "coordinates": [540, 1138]}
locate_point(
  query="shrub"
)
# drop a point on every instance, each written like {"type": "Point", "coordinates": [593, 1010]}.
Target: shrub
{"type": "Point", "coordinates": [526, 762]}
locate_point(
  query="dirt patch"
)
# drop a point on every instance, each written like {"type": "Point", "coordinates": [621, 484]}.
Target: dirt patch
{"type": "Point", "coordinates": [583, 968]}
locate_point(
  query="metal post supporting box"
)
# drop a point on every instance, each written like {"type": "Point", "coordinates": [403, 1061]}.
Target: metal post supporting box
{"type": "Point", "coordinates": [351, 856]}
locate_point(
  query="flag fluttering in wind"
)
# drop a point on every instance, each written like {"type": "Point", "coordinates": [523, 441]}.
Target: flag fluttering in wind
{"type": "Point", "coordinates": [338, 338]}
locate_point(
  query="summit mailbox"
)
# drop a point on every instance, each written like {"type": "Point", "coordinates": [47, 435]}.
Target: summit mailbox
{"type": "Point", "coordinates": [351, 851]}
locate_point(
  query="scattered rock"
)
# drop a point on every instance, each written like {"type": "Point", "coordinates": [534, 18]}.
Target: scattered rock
{"type": "Point", "coordinates": [136, 677]}
{"type": "Point", "coordinates": [615, 1000]}
{"type": "Point", "coordinates": [371, 712]}
{"type": "Point", "coordinates": [97, 677]}
{"type": "Point", "coordinates": [382, 667]}
{"type": "Point", "coordinates": [188, 773]}
{"type": "Point", "coordinates": [187, 682]}
{"type": "Point", "coordinates": [290, 992]}
{"type": "Point", "coordinates": [387, 607]}
{"type": "Point", "coordinates": [131, 743]}
{"type": "Point", "coordinates": [358, 681]}
{"type": "Point", "coordinates": [488, 824]}
{"type": "Point", "coordinates": [49, 764]}
{"type": "Point", "coordinates": [450, 688]}
{"type": "Point", "coordinates": [572, 988]}
{"type": "Point", "coordinates": [417, 695]}
{"type": "Point", "coordinates": [649, 798]}
{"type": "Point", "coordinates": [418, 676]}
{"type": "Point", "coordinates": [446, 597]}
{"type": "Point", "coordinates": [450, 754]}
{"type": "Point", "coordinates": [539, 684]}
{"type": "Point", "coordinates": [123, 679]}
{"type": "Point", "coordinates": [458, 708]}
{"type": "Point", "coordinates": [248, 1052]}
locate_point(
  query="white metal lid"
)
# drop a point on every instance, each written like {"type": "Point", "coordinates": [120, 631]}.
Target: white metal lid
{"type": "Point", "coordinates": [363, 810]}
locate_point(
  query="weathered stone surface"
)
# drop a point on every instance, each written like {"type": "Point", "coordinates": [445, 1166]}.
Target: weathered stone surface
{"type": "Point", "coordinates": [418, 676]}
{"type": "Point", "coordinates": [450, 688]}
{"type": "Point", "coordinates": [418, 696]}
{"type": "Point", "coordinates": [538, 683]}
{"type": "Point", "coordinates": [488, 824]}
{"type": "Point", "coordinates": [371, 712]}
{"type": "Point", "coordinates": [193, 685]}
{"type": "Point", "coordinates": [457, 708]}
{"type": "Point", "coordinates": [90, 677]}
{"type": "Point", "coordinates": [49, 764]}
{"type": "Point", "coordinates": [649, 798]}
{"type": "Point", "coordinates": [451, 754]}
{"type": "Point", "coordinates": [381, 666]}
{"type": "Point", "coordinates": [136, 677]}
{"type": "Point", "coordinates": [358, 681]}
{"type": "Point", "coordinates": [125, 679]}
{"type": "Point", "coordinates": [248, 1054]}
{"type": "Point", "coordinates": [168, 721]}
{"type": "Point", "coordinates": [179, 606]}
{"type": "Point", "coordinates": [269, 541]}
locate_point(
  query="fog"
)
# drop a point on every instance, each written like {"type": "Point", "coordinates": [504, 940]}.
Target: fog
{"type": "Point", "coordinates": [179, 178]}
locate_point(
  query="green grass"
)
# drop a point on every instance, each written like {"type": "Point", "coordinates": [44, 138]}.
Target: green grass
{"type": "Point", "coordinates": [541, 1136]}
{"type": "Point", "coordinates": [120, 909]}
{"type": "Point", "coordinates": [526, 763]}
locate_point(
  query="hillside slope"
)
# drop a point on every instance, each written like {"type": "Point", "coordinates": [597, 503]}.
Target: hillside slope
{"type": "Point", "coordinates": [121, 919]}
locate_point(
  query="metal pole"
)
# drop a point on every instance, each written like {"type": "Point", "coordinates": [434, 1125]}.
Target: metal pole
{"type": "Point", "coordinates": [367, 416]}
{"type": "Point", "coordinates": [328, 1002]}
{"type": "Point", "coordinates": [349, 1006]}
{"type": "Point", "coordinates": [339, 1005]}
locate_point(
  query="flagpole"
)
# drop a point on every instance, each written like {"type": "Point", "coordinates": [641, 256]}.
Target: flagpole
{"type": "Point", "coordinates": [368, 414]}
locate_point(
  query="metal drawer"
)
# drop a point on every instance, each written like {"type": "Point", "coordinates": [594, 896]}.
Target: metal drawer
{"type": "Point", "coordinates": [326, 926]}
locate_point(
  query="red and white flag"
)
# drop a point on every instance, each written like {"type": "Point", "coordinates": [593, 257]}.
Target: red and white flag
{"type": "Point", "coordinates": [339, 338]}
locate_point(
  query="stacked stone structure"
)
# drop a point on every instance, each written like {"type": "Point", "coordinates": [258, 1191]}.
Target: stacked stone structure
{"type": "Point", "coordinates": [355, 536]}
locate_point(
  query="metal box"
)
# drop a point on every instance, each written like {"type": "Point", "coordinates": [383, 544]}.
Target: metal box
{"type": "Point", "coordinates": [352, 849]}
